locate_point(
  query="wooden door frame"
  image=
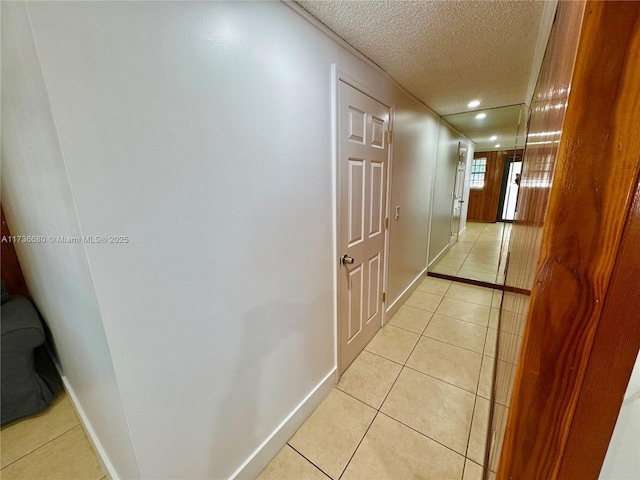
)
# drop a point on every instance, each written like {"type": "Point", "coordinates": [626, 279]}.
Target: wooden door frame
{"type": "Point", "coordinates": [582, 335]}
{"type": "Point", "coordinates": [339, 74]}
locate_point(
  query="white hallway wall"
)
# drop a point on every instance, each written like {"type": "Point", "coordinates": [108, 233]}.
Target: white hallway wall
{"type": "Point", "coordinates": [37, 200]}
{"type": "Point", "coordinates": [445, 177]}
{"type": "Point", "coordinates": [202, 131]}
{"type": "Point", "coordinates": [414, 160]}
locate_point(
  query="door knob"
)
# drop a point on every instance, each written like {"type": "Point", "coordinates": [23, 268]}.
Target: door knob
{"type": "Point", "coordinates": [461, 201]}
{"type": "Point", "coordinates": [347, 260]}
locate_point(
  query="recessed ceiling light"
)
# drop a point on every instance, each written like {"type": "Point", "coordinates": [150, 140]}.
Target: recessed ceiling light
{"type": "Point", "coordinates": [497, 145]}
{"type": "Point", "coordinates": [480, 116]}
{"type": "Point", "coordinates": [493, 138]}
{"type": "Point", "coordinates": [473, 103]}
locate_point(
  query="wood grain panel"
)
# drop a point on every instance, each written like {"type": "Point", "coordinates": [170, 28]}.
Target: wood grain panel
{"type": "Point", "coordinates": [611, 360]}
{"type": "Point", "coordinates": [539, 160]}
{"type": "Point", "coordinates": [483, 202]}
{"type": "Point", "coordinates": [11, 271]}
{"type": "Point", "coordinates": [594, 181]}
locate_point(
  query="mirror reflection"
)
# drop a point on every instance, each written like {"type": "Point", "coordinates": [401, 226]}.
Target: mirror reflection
{"type": "Point", "coordinates": [483, 180]}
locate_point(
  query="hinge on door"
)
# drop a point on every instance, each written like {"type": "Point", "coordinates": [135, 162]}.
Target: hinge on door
{"type": "Point", "coordinates": [386, 223]}
{"type": "Point", "coordinates": [384, 297]}
{"type": "Point", "coordinates": [389, 136]}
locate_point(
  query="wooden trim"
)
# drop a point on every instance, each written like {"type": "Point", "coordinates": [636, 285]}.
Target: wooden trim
{"type": "Point", "coordinates": [615, 349]}
{"type": "Point", "coordinates": [477, 283]}
{"type": "Point", "coordinates": [519, 291]}
{"type": "Point", "coordinates": [594, 182]}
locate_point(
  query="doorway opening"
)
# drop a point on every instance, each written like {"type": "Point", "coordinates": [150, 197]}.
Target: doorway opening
{"type": "Point", "coordinates": [508, 201]}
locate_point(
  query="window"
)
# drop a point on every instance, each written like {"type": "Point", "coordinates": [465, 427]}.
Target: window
{"type": "Point", "coordinates": [478, 169]}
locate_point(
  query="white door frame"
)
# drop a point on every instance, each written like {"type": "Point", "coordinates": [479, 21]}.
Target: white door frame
{"type": "Point", "coordinates": [456, 186]}
{"type": "Point", "coordinates": [339, 74]}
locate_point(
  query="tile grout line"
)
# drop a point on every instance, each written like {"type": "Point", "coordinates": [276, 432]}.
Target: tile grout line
{"type": "Point", "coordinates": [411, 306]}
{"type": "Point", "coordinates": [374, 417]}
{"type": "Point", "coordinates": [441, 380]}
{"type": "Point", "coordinates": [473, 414]}
{"type": "Point", "coordinates": [401, 369]}
{"type": "Point", "coordinates": [467, 321]}
{"type": "Point", "coordinates": [466, 258]}
{"type": "Point", "coordinates": [454, 345]}
{"type": "Point", "coordinates": [403, 366]}
{"type": "Point", "coordinates": [470, 287]}
{"type": "Point", "coordinates": [475, 244]}
{"type": "Point", "coordinates": [358, 399]}
{"type": "Point", "coordinates": [38, 448]}
{"type": "Point", "coordinates": [406, 329]}
{"type": "Point", "coordinates": [381, 356]}
{"type": "Point", "coordinates": [423, 434]}
{"type": "Point", "coordinates": [416, 344]}
{"type": "Point", "coordinates": [436, 307]}
{"type": "Point", "coordinates": [416, 370]}
{"type": "Point", "coordinates": [464, 465]}
{"type": "Point", "coordinates": [294, 449]}
{"type": "Point", "coordinates": [486, 335]}
{"type": "Point", "coordinates": [475, 401]}
{"type": "Point", "coordinates": [378, 410]}
{"type": "Point", "coordinates": [359, 443]}
{"type": "Point", "coordinates": [412, 331]}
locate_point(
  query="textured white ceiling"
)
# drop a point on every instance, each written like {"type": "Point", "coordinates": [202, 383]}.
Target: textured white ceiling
{"type": "Point", "coordinates": [446, 53]}
{"type": "Point", "coordinates": [506, 123]}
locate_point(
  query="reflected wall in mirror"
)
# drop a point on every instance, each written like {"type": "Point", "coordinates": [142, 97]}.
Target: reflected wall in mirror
{"type": "Point", "coordinates": [482, 184]}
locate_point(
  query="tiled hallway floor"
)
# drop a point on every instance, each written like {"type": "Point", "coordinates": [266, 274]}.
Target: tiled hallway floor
{"type": "Point", "coordinates": [477, 254]}
{"type": "Point", "coordinates": [414, 403]}
{"type": "Point", "coordinates": [50, 445]}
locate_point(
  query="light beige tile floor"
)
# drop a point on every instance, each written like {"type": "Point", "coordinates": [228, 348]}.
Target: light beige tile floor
{"type": "Point", "coordinates": [49, 446]}
{"type": "Point", "coordinates": [478, 254]}
{"type": "Point", "coordinates": [414, 403]}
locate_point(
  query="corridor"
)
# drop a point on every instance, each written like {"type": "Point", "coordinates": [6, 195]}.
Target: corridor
{"type": "Point", "coordinates": [478, 255]}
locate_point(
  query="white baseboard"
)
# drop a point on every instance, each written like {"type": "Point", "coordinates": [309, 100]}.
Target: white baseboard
{"type": "Point", "coordinates": [256, 462]}
{"type": "Point", "coordinates": [397, 303]}
{"type": "Point", "coordinates": [101, 453]}
{"type": "Point", "coordinates": [442, 253]}
{"type": "Point", "coordinates": [88, 428]}
{"type": "Point", "coordinates": [261, 457]}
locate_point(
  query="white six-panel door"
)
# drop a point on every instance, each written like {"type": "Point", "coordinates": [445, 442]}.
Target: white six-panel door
{"type": "Point", "coordinates": [458, 194]}
{"type": "Point", "coordinates": [362, 173]}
